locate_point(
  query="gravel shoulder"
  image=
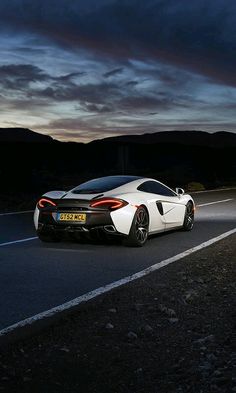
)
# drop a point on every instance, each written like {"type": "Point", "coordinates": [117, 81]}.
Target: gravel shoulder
{"type": "Point", "coordinates": [172, 331]}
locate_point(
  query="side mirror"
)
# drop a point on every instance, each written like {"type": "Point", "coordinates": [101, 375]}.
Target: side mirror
{"type": "Point", "coordinates": [179, 191]}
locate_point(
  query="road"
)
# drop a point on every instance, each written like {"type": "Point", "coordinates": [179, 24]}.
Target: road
{"type": "Point", "coordinates": [35, 277]}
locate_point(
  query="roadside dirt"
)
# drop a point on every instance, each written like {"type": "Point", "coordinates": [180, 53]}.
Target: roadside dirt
{"type": "Point", "coordinates": [172, 331]}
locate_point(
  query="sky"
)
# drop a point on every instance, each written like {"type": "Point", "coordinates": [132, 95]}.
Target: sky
{"type": "Point", "coordinates": [83, 70]}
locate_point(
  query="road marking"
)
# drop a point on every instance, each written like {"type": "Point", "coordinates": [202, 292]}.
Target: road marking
{"type": "Point", "coordinates": [214, 190]}
{"type": "Point", "coordinates": [99, 291]}
{"type": "Point", "coordinates": [18, 241]}
{"type": "Point", "coordinates": [213, 203]}
{"type": "Point", "coordinates": [13, 213]}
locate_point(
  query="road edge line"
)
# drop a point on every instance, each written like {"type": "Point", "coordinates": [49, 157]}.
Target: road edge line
{"type": "Point", "coordinates": [215, 202]}
{"type": "Point", "coordinates": [27, 239]}
{"type": "Point", "coordinates": [13, 213]}
{"type": "Point", "coordinates": [46, 318]}
{"type": "Point", "coordinates": [211, 190]}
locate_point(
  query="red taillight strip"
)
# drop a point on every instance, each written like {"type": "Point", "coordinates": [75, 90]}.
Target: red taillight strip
{"type": "Point", "coordinates": [42, 201]}
{"type": "Point", "coordinates": [113, 203]}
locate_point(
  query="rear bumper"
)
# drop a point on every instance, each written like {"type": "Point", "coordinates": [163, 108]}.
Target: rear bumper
{"type": "Point", "coordinates": [95, 221]}
{"type": "Point", "coordinates": [80, 230]}
{"type": "Point", "coordinates": [113, 222]}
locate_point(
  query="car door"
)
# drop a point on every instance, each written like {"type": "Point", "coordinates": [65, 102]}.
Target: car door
{"type": "Point", "coordinates": [173, 211]}
{"type": "Point", "coordinates": [167, 209]}
{"type": "Point", "coordinates": [173, 208]}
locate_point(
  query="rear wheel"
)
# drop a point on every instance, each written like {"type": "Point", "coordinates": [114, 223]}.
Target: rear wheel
{"type": "Point", "coordinates": [139, 229]}
{"type": "Point", "coordinates": [189, 217]}
{"type": "Point", "coordinates": [48, 237]}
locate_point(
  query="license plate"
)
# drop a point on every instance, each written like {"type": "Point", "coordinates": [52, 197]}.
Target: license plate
{"type": "Point", "coordinates": [78, 217]}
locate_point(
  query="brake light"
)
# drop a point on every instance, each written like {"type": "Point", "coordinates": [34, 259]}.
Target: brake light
{"type": "Point", "coordinates": [109, 203]}
{"type": "Point", "coordinates": [44, 202]}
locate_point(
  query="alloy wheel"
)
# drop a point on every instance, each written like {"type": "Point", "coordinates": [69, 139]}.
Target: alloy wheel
{"type": "Point", "coordinates": [141, 225]}
{"type": "Point", "coordinates": [189, 217]}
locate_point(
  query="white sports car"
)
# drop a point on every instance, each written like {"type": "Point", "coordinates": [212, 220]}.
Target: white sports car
{"type": "Point", "coordinates": [131, 206]}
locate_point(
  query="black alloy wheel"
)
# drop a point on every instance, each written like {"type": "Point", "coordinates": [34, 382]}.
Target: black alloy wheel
{"type": "Point", "coordinates": [139, 229]}
{"type": "Point", "coordinates": [189, 217]}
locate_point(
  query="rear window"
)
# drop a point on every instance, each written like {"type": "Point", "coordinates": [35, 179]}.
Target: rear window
{"type": "Point", "coordinates": [103, 184]}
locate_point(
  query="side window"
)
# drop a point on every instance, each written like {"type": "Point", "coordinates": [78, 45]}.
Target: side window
{"type": "Point", "coordinates": [155, 188]}
{"type": "Point", "coordinates": [146, 187]}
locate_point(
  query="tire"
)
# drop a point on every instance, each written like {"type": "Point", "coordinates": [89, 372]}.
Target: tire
{"type": "Point", "coordinates": [48, 237]}
{"type": "Point", "coordinates": [189, 217]}
{"type": "Point", "coordinates": [138, 233]}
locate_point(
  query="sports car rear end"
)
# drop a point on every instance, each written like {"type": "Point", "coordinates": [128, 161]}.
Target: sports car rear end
{"type": "Point", "coordinates": [73, 216]}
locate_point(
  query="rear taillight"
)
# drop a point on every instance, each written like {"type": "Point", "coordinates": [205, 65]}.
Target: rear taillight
{"type": "Point", "coordinates": [44, 202]}
{"type": "Point", "coordinates": [108, 203]}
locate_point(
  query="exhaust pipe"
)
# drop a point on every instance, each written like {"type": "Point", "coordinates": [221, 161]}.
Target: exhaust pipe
{"type": "Point", "coordinates": [77, 229]}
{"type": "Point", "coordinates": [110, 228]}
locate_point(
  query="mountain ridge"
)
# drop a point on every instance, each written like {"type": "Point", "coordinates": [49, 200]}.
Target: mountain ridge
{"type": "Point", "coordinates": [23, 135]}
{"type": "Point", "coordinates": [175, 158]}
{"type": "Point", "coordinates": [185, 137]}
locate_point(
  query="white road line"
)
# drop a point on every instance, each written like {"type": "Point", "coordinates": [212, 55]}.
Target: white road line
{"type": "Point", "coordinates": [213, 203]}
{"type": "Point", "coordinates": [18, 241]}
{"type": "Point", "coordinates": [13, 213]}
{"type": "Point", "coordinates": [96, 292]}
{"type": "Point", "coordinates": [214, 190]}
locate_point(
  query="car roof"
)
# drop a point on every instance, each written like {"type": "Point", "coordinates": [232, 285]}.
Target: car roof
{"type": "Point", "coordinates": [103, 184]}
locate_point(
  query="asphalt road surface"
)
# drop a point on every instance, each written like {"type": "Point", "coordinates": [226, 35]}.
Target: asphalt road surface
{"type": "Point", "coordinates": [36, 276]}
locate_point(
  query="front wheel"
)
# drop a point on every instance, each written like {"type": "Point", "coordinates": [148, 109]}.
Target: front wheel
{"type": "Point", "coordinates": [189, 217]}
{"type": "Point", "coordinates": [139, 229]}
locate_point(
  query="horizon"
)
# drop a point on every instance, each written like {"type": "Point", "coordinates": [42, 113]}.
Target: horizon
{"type": "Point", "coordinates": [86, 71]}
{"type": "Point", "coordinates": [121, 135]}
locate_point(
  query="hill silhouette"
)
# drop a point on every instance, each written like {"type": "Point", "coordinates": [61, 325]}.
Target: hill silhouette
{"type": "Point", "coordinates": [197, 138]}
{"type": "Point", "coordinates": [31, 163]}
{"type": "Point", "coordinates": [23, 135]}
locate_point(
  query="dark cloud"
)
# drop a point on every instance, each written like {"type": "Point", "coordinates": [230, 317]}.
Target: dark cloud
{"type": "Point", "coordinates": [110, 97]}
{"type": "Point", "coordinates": [131, 83]}
{"type": "Point", "coordinates": [149, 103]}
{"type": "Point", "coordinates": [113, 72]}
{"type": "Point", "coordinates": [29, 105]}
{"type": "Point", "coordinates": [198, 35]}
{"type": "Point", "coordinates": [96, 108]}
{"type": "Point", "coordinates": [27, 50]}
{"type": "Point", "coordinates": [98, 93]}
{"type": "Point", "coordinates": [69, 77]}
{"type": "Point", "coordinates": [19, 76]}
